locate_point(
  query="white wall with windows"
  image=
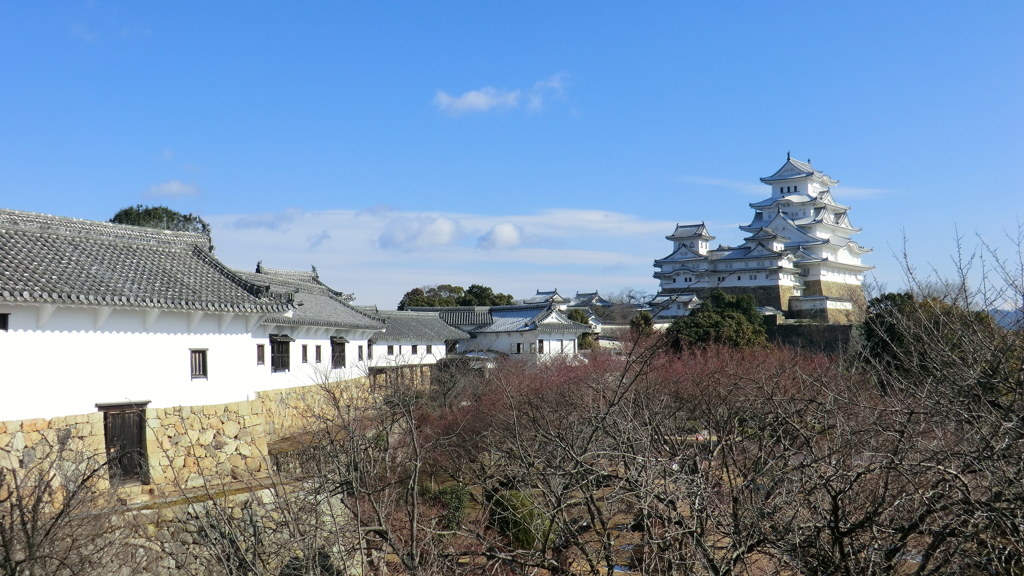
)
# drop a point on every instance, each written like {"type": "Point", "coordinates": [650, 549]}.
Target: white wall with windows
{"type": "Point", "coordinates": [405, 353]}
{"type": "Point", "coordinates": [525, 342]}
{"type": "Point", "coordinates": [63, 360]}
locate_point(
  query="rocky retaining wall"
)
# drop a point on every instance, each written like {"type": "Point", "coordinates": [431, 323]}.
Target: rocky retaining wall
{"type": "Point", "coordinates": [186, 446]}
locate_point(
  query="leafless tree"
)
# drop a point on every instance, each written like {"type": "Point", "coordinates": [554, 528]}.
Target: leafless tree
{"type": "Point", "coordinates": [55, 519]}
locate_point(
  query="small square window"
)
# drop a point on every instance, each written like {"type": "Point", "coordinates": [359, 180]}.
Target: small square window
{"type": "Point", "coordinates": [319, 355]}
{"type": "Point", "coordinates": [305, 353]}
{"type": "Point", "coordinates": [430, 349]}
{"type": "Point", "coordinates": [360, 353]}
{"type": "Point", "coordinates": [198, 363]}
{"type": "Point", "coordinates": [260, 355]}
{"type": "Point", "coordinates": [415, 349]}
{"type": "Point", "coordinates": [540, 346]}
{"type": "Point", "coordinates": [391, 350]}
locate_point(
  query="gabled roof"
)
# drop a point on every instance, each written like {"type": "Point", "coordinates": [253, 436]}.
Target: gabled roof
{"type": "Point", "coordinates": [795, 234]}
{"type": "Point", "coordinates": [793, 198]}
{"type": "Point", "coordinates": [682, 254]}
{"type": "Point", "coordinates": [796, 169]}
{"type": "Point", "coordinates": [514, 318]}
{"type": "Point", "coordinates": [522, 318]}
{"type": "Point", "coordinates": [690, 231]}
{"type": "Point", "coordinates": [760, 250]}
{"type": "Point", "coordinates": [291, 280]}
{"type": "Point", "coordinates": [766, 234]}
{"type": "Point", "coordinates": [825, 197]}
{"type": "Point", "coordinates": [587, 299]}
{"type": "Point", "coordinates": [316, 304]}
{"type": "Point", "coordinates": [543, 296]}
{"type": "Point", "coordinates": [67, 261]}
{"type": "Point", "coordinates": [665, 299]}
{"type": "Point", "coordinates": [417, 327]}
{"type": "Point", "coordinates": [468, 316]}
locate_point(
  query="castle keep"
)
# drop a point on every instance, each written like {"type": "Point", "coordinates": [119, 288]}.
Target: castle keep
{"type": "Point", "coordinates": [798, 256]}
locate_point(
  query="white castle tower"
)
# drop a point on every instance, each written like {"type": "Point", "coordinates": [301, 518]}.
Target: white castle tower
{"type": "Point", "coordinates": [798, 257]}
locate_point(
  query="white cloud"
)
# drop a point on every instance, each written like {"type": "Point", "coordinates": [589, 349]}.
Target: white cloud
{"type": "Point", "coordinates": [504, 235]}
{"type": "Point", "coordinates": [407, 234]}
{"type": "Point", "coordinates": [545, 89]}
{"type": "Point", "coordinates": [269, 220]}
{"type": "Point", "coordinates": [173, 189]}
{"type": "Point", "coordinates": [746, 187]}
{"type": "Point", "coordinates": [490, 98]}
{"type": "Point", "coordinates": [476, 100]}
{"type": "Point", "coordinates": [380, 254]}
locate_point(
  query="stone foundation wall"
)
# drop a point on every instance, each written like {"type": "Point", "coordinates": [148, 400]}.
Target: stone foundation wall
{"type": "Point", "coordinates": [852, 292]}
{"type": "Point", "coordinates": [210, 470]}
{"type": "Point", "coordinates": [775, 296]}
{"type": "Point", "coordinates": [187, 446]}
{"type": "Point", "coordinates": [829, 338]}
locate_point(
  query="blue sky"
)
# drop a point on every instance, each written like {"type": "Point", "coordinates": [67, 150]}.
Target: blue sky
{"type": "Point", "coordinates": [520, 145]}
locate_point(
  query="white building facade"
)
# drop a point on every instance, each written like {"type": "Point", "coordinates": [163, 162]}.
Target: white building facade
{"type": "Point", "coordinates": [97, 313]}
{"type": "Point", "coordinates": [798, 256]}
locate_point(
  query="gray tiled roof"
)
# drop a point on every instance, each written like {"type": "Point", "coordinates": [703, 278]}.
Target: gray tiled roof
{"type": "Point", "coordinates": [544, 296]}
{"type": "Point", "coordinates": [460, 315]}
{"type": "Point", "coordinates": [57, 260]}
{"type": "Point", "coordinates": [514, 318]}
{"type": "Point", "coordinates": [794, 168]}
{"type": "Point", "coordinates": [316, 303]}
{"type": "Point", "coordinates": [414, 327]}
{"type": "Point", "coordinates": [522, 318]}
{"type": "Point", "coordinates": [584, 299]}
{"type": "Point", "coordinates": [690, 231]}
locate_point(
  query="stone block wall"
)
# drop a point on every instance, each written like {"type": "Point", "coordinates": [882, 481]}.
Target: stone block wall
{"type": "Point", "coordinates": [775, 296]}
{"type": "Point", "coordinates": [851, 292]}
{"type": "Point", "coordinates": [187, 446]}
{"type": "Point", "coordinates": [28, 443]}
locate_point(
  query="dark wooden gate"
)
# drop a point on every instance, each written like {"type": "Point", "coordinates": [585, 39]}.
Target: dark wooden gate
{"type": "Point", "coordinates": [124, 427]}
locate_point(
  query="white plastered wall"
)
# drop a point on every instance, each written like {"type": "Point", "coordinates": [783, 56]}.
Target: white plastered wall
{"type": "Point", "coordinates": [69, 365]}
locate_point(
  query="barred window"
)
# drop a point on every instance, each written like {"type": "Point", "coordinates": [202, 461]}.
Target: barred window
{"type": "Point", "coordinates": [415, 348]}
{"type": "Point", "coordinates": [391, 350]}
{"type": "Point", "coordinates": [198, 363]}
{"type": "Point", "coordinates": [430, 349]}
{"type": "Point", "coordinates": [261, 357]}
{"type": "Point", "coordinates": [360, 353]}
{"type": "Point", "coordinates": [338, 352]}
{"type": "Point", "coordinates": [319, 356]}
{"type": "Point", "coordinates": [305, 353]}
{"type": "Point", "coordinates": [280, 352]}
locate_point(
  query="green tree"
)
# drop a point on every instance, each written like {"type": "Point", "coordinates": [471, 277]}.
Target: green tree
{"type": "Point", "coordinates": [442, 295]}
{"type": "Point", "coordinates": [478, 295]}
{"type": "Point", "coordinates": [721, 320]}
{"type": "Point", "coordinates": [160, 217]}
{"type": "Point", "coordinates": [448, 295]}
{"type": "Point", "coordinates": [921, 339]}
{"type": "Point", "coordinates": [642, 322]}
{"type": "Point", "coordinates": [585, 340]}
